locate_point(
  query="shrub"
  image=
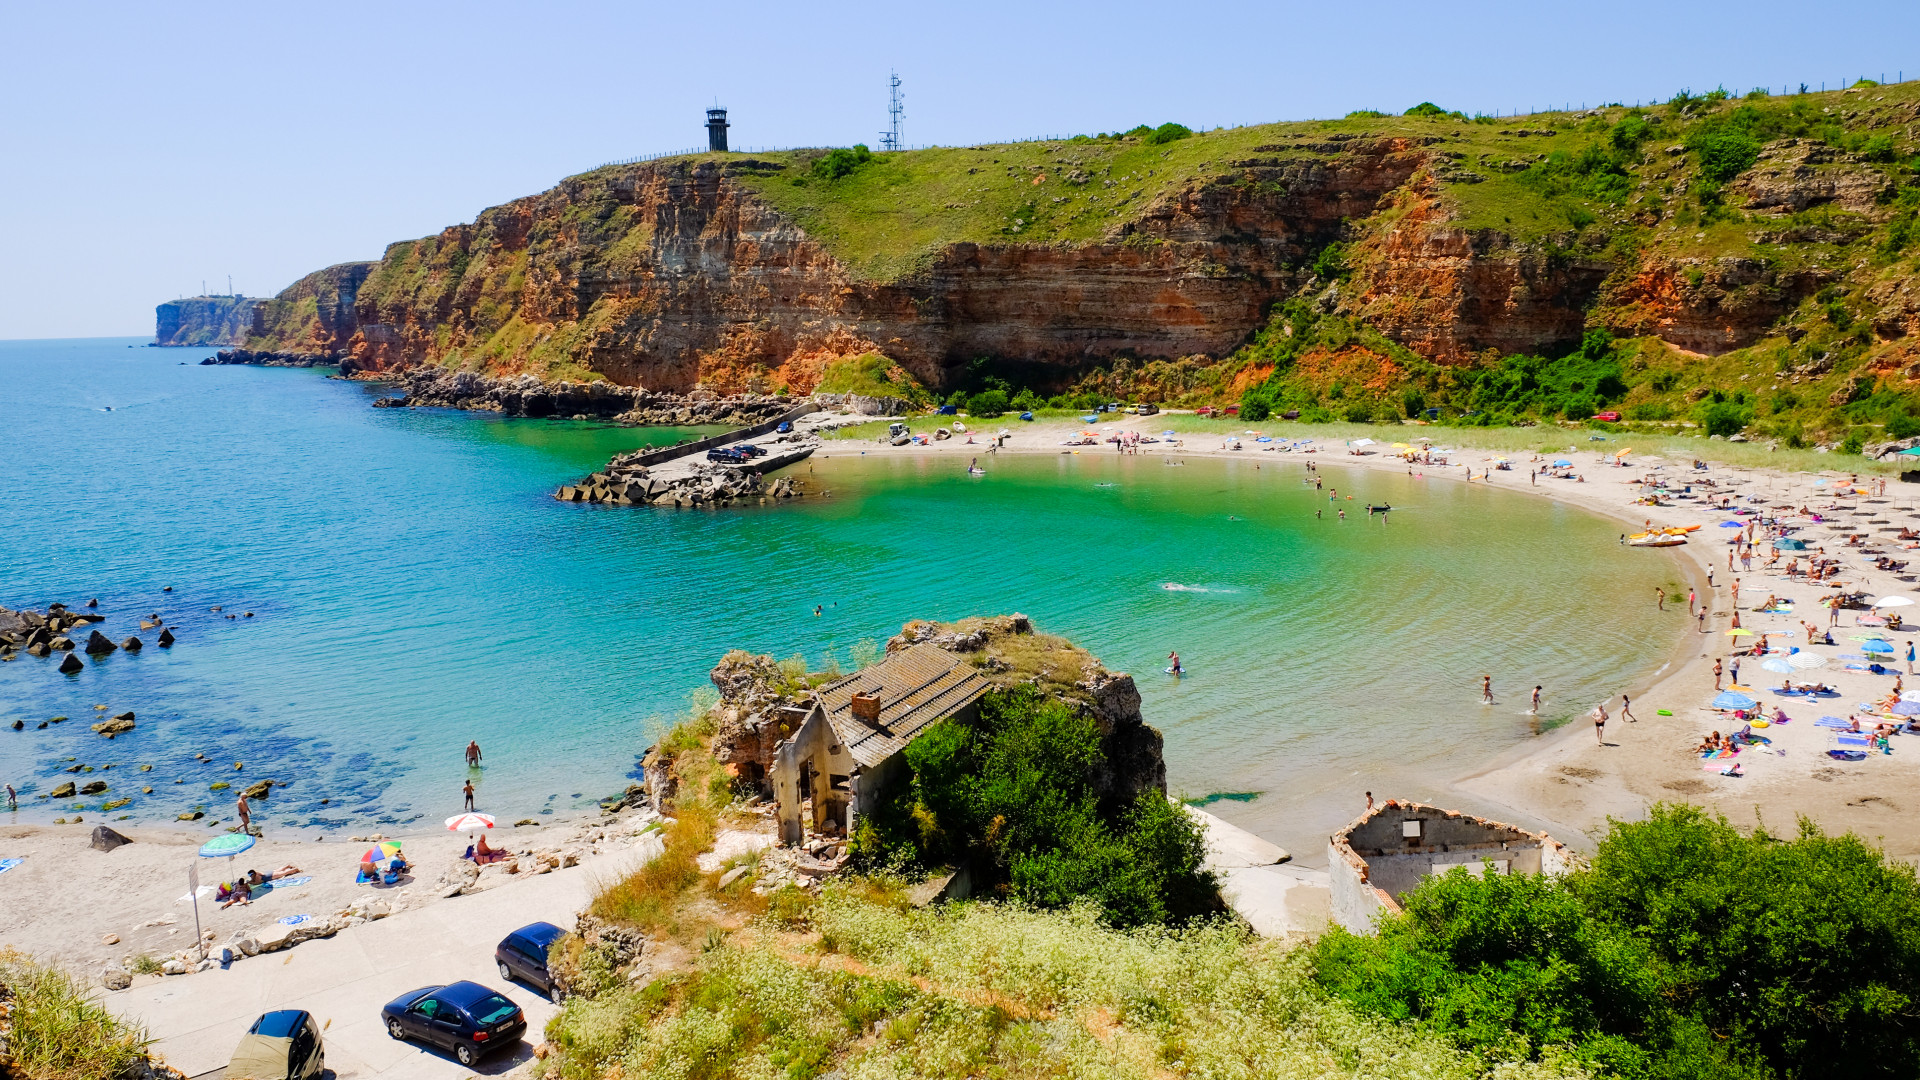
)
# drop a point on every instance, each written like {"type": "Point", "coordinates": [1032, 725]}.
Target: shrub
{"type": "Point", "coordinates": [1722, 418]}
{"type": "Point", "coordinates": [1903, 427]}
{"type": "Point", "coordinates": [1359, 412]}
{"type": "Point", "coordinates": [1254, 406]}
{"type": "Point", "coordinates": [1331, 263]}
{"type": "Point", "coordinates": [1853, 444]}
{"type": "Point", "coordinates": [647, 897]}
{"type": "Point", "coordinates": [1169, 132]}
{"type": "Point", "coordinates": [1365, 114]}
{"type": "Point", "coordinates": [1725, 153]}
{"type": "Point", "coordinates": [842, 162]}
{"type": "Point", "coordinates": [872, 375]}
{"type": "Point", "coordinates": [1669, 957]}
{"type": "Point", "coordinates": [1025, 400]}
{"type": "Point", "coordinates": [1878, 148]}
{"type": "Point", "coordinates": [58, 1030]}
{"type": "Point", "coordinates": [1425, 108]}
{"type": "Point", "coordinates": [987, 404]}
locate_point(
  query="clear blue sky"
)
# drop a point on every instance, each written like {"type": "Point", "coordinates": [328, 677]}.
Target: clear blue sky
{"type": "Point", "coordinates": [145, 148]}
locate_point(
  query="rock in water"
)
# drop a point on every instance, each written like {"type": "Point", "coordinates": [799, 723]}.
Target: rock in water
{"type": "Point", "coordinates": [105, 839]}
{"type": "Point", "coordinates": [123, 722]}
{"type": "Point", "coordinates": [72, 665]}
{"type": "Point", "coordinates": [132, 644]}
{"type": "Point", "coordinates": [94, 787]}
{"type": "Point", "coordinates": [64, 791]}
{"type": "Point", "coordinates": [166, 638]}
{"type": "Point", "coordinates": [98, 644]}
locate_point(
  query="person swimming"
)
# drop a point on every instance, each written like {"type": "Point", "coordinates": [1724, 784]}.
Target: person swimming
{"type": "Point", "coordinates": [1176, 669]}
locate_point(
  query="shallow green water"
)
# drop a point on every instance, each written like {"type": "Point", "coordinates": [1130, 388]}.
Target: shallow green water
{"type": "Point", "coordinates": [413, 587]}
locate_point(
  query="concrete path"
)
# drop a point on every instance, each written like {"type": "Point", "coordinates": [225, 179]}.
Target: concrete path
{"type": "Point", "coordinates": [343, 981]}
{"type": "Point", "coordinates": [1276, 900]}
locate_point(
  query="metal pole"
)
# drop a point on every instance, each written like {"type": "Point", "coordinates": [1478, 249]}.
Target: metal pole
{"type": "Point", "coordinates": [193, 890]}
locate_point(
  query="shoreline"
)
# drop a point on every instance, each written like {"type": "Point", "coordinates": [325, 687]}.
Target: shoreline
{"type": "Point", "coordinates": [1558, 780]}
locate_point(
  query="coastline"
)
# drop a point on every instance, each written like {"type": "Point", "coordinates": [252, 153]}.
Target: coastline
{"type": "Point", "coordinates": [1561, 780]}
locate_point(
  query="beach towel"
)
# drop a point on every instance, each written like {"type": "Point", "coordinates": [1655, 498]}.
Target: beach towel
{"type": "Point", "coordinates": [8, 864]}
{"type": "Point", "coordinates": [203, 891]}
{"type": "Point", "coordinates": [285, 883]}
{"type": "Point", "coordinates": [292, 920]}
{"type": "Point", "coordinates": [1830, 722]}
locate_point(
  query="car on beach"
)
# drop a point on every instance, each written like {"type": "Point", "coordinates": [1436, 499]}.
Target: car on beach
{"type": "Point", "coordinates": [281, 1045]}
{"type": "Point", "coordinates": [465, 1018]}
{"type": "Point", "coordinates": [522, 956]}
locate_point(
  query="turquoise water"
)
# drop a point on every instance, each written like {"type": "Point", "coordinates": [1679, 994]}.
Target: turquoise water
{"type": "Point", "coordinates": [413, 587]}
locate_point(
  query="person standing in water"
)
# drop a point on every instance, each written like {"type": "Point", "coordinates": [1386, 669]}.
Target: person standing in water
{"type": "Point", "coordinates": [1486, 689]}
{"type": "Point", "coordinates": [1176, 669]}
{"type": "Point", "coordinates": [467, 790]}
{"type": "Point", "coordinates": [473, 754]}
{"type": "Point", "coordinates": [13, 798]}
{"type": "Point", "coordinates": [246, 813]}
{"type": "Point", "coordinates": [1536, 702]}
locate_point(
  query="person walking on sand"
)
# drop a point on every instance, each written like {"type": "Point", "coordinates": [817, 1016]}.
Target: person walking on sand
{"type": "Point", "coordinates": [1600, 723]}
{"type": "Point", "coordinates": [1486, 689]}
{"type": "Point", "coordinates": [1909, 656]}
{"type": "Point", "coordinates": [1703, 619]}
{"type": "Point", "coordinates": [1535, 711]}
{"type": "Point", "coordinates": [1734, 669]}
{"type": "Point", "coordinates": [1716, 674]}
{"type": "Point", "coordinates": [1626, 709]}
{"type": "Point", "coordinates": [467, 790]}
{"type": "Point", "coordinates": [1709, 577]}
{"type": "Point", "coordinates": [1369, 800]}
{"type": "Point", "coordinates": [1690, 601]}
{"type": "Point", "coordinates": [473, 754]}
{"type": "Point", "coordinates": [245, 811]}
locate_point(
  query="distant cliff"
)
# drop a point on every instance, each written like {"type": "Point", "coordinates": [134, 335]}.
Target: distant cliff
{"type": "Point", "coordinates": [204, 320]}
{"type": "Point", "coordinates": [1775, 231]}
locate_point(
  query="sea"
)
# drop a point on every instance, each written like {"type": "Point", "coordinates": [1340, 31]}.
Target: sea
{"type": "Point", "coordinates": [357, 593]}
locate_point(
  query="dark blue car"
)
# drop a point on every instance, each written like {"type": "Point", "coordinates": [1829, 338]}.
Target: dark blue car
{"type": "Point", "coordinates": [522, 955]}
{"type": "Point", "coordinates": [464, 1017]}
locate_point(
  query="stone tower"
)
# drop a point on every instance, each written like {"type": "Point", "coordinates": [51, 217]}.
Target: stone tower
{"type": "Point", "coordinates": [717, 131]}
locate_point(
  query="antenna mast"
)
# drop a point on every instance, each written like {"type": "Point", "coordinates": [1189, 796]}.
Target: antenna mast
{"type": "Point", "coordinates": [890, 139]}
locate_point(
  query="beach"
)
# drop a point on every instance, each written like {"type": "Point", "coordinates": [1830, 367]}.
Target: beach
{"type": "Point", "coordinates": [1565, 781]}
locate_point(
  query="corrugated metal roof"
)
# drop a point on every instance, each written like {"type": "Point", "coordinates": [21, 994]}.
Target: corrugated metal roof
{"type": "Point", "coordinates": [917, 687]}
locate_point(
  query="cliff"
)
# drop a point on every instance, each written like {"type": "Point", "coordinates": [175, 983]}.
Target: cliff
{"type": "Point", "coordinates": [204, 320]}
{"type": "Point", "coordinates": [1703, 227]}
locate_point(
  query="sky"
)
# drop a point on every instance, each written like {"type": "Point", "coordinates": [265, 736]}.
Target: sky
{"type": "Point", "coordinates": [146, 149]}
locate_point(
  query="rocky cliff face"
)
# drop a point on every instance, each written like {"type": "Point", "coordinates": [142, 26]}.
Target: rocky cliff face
{"type": "Point", "coordinates": [204, 320]}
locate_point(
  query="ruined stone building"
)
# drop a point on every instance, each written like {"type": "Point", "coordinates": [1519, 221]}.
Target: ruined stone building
{"type": "Point", "coordinates": [1391, 848]}
{"type": "Point", "coordinates": [848, 748]}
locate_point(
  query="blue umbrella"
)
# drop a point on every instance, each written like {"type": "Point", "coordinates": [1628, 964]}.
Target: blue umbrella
{"type": "Point", "coordinates": [1731, 699]}
{"type": "Point", "coordinates": [1779, 664]}
{"type": "Point", "coordinates": [1732, 525]}
{"type": "Point", "coordinates": [1563, 463]}
{"type": "Point", "coordinates": [221, 847]}
{"type": "Point", "coordinates": [1906, 708]}
{"type": "Point", "coordinates": [1877, 646]}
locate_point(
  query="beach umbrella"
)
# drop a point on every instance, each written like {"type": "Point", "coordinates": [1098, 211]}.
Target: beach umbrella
{"type": "Point", "coordinates": [1732, 699]}
{"type": "Point", "coordinates": [1779, 663]}
{"type": "Point", "coordinates": [1733, 525]}
{"type": "Point", "coordinates": [1892, 601]}
{"type": "Point", "coordinates": [1563, 463]}
{"type": "Point", "coordinates": [1911, 695]}
{"type": "Point", "coordinates": [1739, 631]}
{"type": "Point", "coordinates": [226, 847]}
{"type": "Point", "coordinates": [1404, 446]}
{"type": "Point", "coordinates": [469, 821]}
{"type": "Point", "coordinates": [1806, 661]}
{"type": "Point", "coordinates": [1906, 708]}
{"type": "Point", "coordinates": [1876, 646]}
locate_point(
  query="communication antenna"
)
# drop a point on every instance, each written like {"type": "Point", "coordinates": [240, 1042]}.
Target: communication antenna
{"type": "Point", "coordinates": [890, 139]}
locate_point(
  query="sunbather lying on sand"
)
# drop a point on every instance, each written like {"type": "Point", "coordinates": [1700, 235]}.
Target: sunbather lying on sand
{"type": "Point", "coordinates": [254, 877]}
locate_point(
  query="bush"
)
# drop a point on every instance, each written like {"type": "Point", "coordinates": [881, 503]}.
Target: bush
{"type": "Point", "coordinates": [1725, 153]}
{"type": "Point", "coordinates": [1012, 790]}
{"type": "Point", "coordinates": [1331, 263]}
{"type": "Point", "coordinates": [987, 404]}
{"type": "Point", "coordinates": [1366, 114]}
{"type": "Point", "coordinates": [1359, 412]}
{"type": "Point", "coordinates": [1167, 133]}
{"type": "Point", "coordinates": [1674, 955]}
{"type": "Point", "coordinates": [58, 1030]}
{"type": "Point", "coordinates": [1879, 148]}
{"type": "Point", "coordinates": [1426, 108]}
{"type": "Point", "coordinates": [1853, 444]}
{"type": "Point", "coordinates": [842, 162]}
{"type": "Point", "coordinates": [872, 375]}
{"type": "Point", "coordinates": [1254, 406]}
{"type": "Point", "coordinates": [1722, 418]}
{"type": "Point", "coordinates": [1903, 427]}
{"type": "Point", "coordinates": [1025, 400]}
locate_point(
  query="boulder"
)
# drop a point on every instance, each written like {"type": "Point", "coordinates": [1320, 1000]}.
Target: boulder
{"type": "Point", "coordinates": [166, 638]}
{"type": "Point", "coordinates": [60, 643]}
{"type": "Point", "coordinates": [116, 725]}
{"type": "Point", "coordinates": [116, 977]}
{"type": "Point", "coordinates": [38, 648]}
{"type": "Point", "coordinates": [94, 787]}
{"type": "Point", "coordinates": [191, 815]}
{"type": "Point", "coordinates": [105, 839]}
{"type": "Point", "coordinates": [174, 966]}
{"type": "Point", "coordinates": [132, 644]}
{"type": "Point", "coordinates": [259, 790]}
{"type": "Point", "coordinates": [64, 791]}
{"type": "Point", "coordinates": [18, 724]}
{"type": "Point", "coordinates": [72, 665]}
{"type": "Point", "coordinates": [98, 644]}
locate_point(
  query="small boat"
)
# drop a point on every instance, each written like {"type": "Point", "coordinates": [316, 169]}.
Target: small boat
{"type": "Point", "coordinates": [974, 470]}
{"type": "Point", "coordinates": [1659, 539]}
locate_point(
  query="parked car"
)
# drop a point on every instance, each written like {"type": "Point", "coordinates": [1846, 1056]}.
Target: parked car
{"type": "Point", "coordinates": [1205, 410]}
{"type": "Point", "coordinates": [464, 1017]}
{"type": "Point", "coordinates": [726, 455]}
{"type": "Point", "coordinates": [749, 450]}
{"type": "Point", "coordinates": [1290, 414]}
{"type": "Point", "coordinates": [949, 410]}
{"type": "Point", "coordinates": [1609, 416]}
{"type": "Point", "coordinates": [1146, 408]}
{"type": "Point", "coordinates": [1026, 416]}
{"type": "Point", "coordinates": [522, 955]}
{"type": "Point", "coordinates": [785, 427]}
{"type": "Point", "coordinates": [1233, 410]}
{"type": "Point", "coordinates": [281, 1045]}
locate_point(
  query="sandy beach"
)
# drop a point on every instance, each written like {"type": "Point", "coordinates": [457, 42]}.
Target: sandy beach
{"type": "Point", "coordinates": [1565, 781]}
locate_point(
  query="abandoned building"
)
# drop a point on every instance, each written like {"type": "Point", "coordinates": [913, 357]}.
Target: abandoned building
{"type": "Point", "coordinates": [848, 749]}
{"type": "Point", "coordinates": [1388, 850]}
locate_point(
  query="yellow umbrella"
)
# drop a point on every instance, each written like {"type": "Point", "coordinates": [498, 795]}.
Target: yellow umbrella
{"type": "Point", "coordinates": [1739, 631]}
{"type": "Point", "coordinates": [1623, 451]}
{"type": "Point", "coordinates": [1401, 446]}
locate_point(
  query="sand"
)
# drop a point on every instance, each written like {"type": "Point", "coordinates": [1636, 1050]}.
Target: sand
{"type": "Point", "coordinates": [1564, 781]}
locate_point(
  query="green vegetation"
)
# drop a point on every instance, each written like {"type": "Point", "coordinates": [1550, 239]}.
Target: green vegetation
{"type": "Point", "coordinates": [842, 162]}
{"type": "Point", "coordinates": [872, 375]}
{"type": "Point", "coordinates": [1011, 794]}
{"type": "Point", "coordinates": [57, 1031]}
{"type": "Point", "coordinates": [1687, 949]}
{"type": "Point", "coordinates": [861, 986]}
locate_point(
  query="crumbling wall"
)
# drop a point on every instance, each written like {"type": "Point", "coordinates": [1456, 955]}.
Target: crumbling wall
{"type": "Point", "coordinates": [1390, 849]}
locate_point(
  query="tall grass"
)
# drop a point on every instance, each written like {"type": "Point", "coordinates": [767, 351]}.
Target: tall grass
{"type": "Point", "coordinates": [649, 896]}
{"type": "Point", "coordinates": [58, 1032]}
{"type": "Point", "coordinates": [998, 990]}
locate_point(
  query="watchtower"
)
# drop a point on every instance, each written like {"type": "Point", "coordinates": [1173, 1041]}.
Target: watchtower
{"type": "Point", "coordinates": [717, 131]}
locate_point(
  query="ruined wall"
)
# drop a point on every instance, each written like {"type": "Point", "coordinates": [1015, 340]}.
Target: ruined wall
{"type": "Point", "coordinates": [1373, 861]}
